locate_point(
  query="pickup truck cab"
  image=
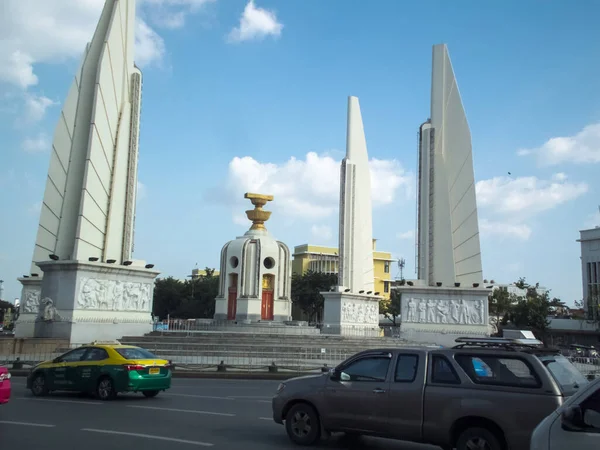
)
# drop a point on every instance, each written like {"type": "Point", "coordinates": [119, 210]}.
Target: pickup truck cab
{"type": "Point", "coordinates": [487, 393]}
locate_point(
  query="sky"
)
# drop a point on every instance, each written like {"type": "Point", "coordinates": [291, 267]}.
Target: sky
{"type": "Point", "coordinates": [245, 96]}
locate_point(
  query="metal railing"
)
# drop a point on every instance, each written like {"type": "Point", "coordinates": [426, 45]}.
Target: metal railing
{"type": "Point", "coordinates": [240, 355]}
{"type": "Point", "coordinates": [194, 326]}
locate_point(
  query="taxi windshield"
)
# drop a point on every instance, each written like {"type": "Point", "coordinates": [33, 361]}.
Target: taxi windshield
{"type": "Point", "coordinates": [135, 353]}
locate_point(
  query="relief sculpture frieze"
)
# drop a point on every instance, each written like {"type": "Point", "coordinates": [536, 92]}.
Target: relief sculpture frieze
{"type": "Point", "coordinates": [114, 295]}
{"type": "Point", "coordinates": [32, 302]}
{"type": "Point", "coordinates": [457, 311]}
{"type": "Point", "coordinates": [360, 312]}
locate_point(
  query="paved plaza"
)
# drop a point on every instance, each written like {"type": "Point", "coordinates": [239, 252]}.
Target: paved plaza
{"type": "Point", "coordinates": [221, 414]}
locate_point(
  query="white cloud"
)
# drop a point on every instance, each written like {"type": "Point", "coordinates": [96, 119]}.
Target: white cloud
{"type": "Point", "coordinates": [583, 147]}
{"type": "Point", "coordinates": [38, 144]}
{"type": "Point", "coordinates": [255, 24]}
{"type": "Point", "coordinates": [149, 46]}
{"type": "Point", "coordinates": [505, 229]}
{"type": "Point", "coordinates": [142, 191]}
{"type": "Point", "coordinates": [410, 234]}
{"type": "Point", "coordinates": [35, 209]}
{"type": "Point", "coordinates": [525, 195]}
{"type": "Point", "coordinates": [36, 106]}
{"type": "Point", "coordinates": [322, 233]}
{"type": "Point", "coordinates": [172, 13]}
{"type": "Point", "coordinates": [507, 204]}
{"type": "Point", "coordinates": [51, 31]}
{"type": "Point", "coordinates": [309, 189]}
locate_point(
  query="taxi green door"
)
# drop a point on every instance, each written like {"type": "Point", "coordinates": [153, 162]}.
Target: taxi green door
{"type": "Point", "coordinates": [89, 368]}
{"type": "Point", "coordinates": [62, 371]}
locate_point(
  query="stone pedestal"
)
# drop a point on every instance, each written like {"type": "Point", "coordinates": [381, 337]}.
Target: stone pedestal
{"type": "Point", "coordinates": [438, 315]}
{"type": "Point", "coordinates": [29, 307]}
{"type": "Point", "coordinates": [351, 314]}
{"type": "Point", "coordinates": [86, 301]}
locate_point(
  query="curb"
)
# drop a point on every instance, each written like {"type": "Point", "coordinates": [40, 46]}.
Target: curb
{"type": "Point", "coordinates": [210, 375]}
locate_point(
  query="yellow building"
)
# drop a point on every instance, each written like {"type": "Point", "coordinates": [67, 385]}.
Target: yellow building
{"type": "Point", "coordinates": [197, 273]}
{"type": "Point", "coordinates": [326, 259]}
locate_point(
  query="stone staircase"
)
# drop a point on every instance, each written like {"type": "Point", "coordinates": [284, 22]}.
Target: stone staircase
{"type": "Point", "coordinates": [245, 350]}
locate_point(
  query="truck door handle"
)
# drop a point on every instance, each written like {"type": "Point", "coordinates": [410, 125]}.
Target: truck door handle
{"type": "Point", "coordinates": [378, 391]}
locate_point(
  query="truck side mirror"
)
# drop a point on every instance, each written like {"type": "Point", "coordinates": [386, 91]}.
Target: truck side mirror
{"type": "Point", "coordinates": [572, 419]}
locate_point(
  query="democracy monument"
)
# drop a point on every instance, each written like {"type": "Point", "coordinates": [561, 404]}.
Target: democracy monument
{"type": "Point", "coordinates": [84, 283]}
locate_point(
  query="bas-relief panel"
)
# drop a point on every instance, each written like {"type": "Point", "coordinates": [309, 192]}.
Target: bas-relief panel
{"type": "Point", "coordinates": [359, 312]}
{"type": "Point", "coordinates": [458, 312]}
{"type": "Point", "coordinates": [32, 302]}
{"type": "Point", "coordinates": [112, 295]}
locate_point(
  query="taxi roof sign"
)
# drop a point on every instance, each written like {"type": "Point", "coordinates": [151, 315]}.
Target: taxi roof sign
{"type": "Point", "coordinates": [115, 342]}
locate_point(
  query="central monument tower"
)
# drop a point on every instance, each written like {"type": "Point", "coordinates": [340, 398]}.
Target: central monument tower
{"type": "Point", "coordinates": [255, 277]}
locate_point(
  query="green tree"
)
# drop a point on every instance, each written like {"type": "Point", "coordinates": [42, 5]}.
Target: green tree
{"type": "Point", "coordinates": [168, 295]}
{"type": "Point", "coordinates": [306, 292]}
{"type": "Point", "coordinates": [532, 310]}
{"type": "Point", "coordinates": [199, 297]}
{"type": "Point", "coordinates": [500, 303]}
{"type": "Point", "coordinates": [188, 299]}
{"type": "Point", "coordinates": [391, 308]}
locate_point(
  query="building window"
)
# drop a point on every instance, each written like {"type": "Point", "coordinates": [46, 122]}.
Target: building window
{"type": "Point", "coordinates": [386, 286]}
{"type": "Point", "coordinates": [386, 267]}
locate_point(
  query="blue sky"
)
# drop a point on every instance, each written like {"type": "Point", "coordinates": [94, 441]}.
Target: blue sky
{"type": "Point", "coordinates": [242, 96]}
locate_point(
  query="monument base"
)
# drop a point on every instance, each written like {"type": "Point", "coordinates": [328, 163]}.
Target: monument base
{"type": "Point", "coordinates": [30, 304]}
{"type": "Point", "coordinates": [438, 315]}
{"type": "Point", "coordinates": [349, 314]}
{"type": "Point", "coordinates": [86, 301]}
{"type": "Point", "coordinates": [250, 310]}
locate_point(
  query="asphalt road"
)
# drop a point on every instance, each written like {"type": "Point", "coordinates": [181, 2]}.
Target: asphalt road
{"type": "Point", "coordinates": [222, 414]}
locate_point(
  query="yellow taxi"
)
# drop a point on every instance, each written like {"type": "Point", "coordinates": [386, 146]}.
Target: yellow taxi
{"type": "Point", "coordinates": [104, 369]}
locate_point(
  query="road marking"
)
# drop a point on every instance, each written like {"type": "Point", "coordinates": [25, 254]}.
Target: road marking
{"type": "Point", "coordinates": [265, 418]}
{"type": "Point", "coordinates": [149, 436]}
{"type": "Point", "coordinates": [200, 396]}
{"type": "Point", "coordinates": [264, 401]}
{"type": "Point", "coordinates": [27, 424]}
{"type": "Point", "coordinates": [58, 401]}
{"type": "Point", "coordinates": [193, 411]}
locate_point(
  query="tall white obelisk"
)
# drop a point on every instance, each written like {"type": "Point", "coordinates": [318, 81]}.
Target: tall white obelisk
{"type": "Point", "coordinates": [83, 282]}
{"type": "Point", "coordinates": [448, 233]}
{"type": "Point", "coordinates": [353, 307]}
{"type": "Point", "coordinates": [447, 300]}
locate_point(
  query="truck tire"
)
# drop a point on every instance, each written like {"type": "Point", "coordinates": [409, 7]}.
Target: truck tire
{"type": "Point", "coordinates": [303, 425]}
{"type": "Point", "coordinates": [478, 438]}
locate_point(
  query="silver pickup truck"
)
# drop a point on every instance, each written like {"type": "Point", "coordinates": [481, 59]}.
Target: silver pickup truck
{"type": "Point", "coordinates": [484, 393]}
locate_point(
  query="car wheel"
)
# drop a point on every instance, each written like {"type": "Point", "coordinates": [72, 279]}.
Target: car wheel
{"type": "Point", "coordinates": [150, 394]}
{"type": "Point", "coordinates": [478, 439]}
{"type": "Point", "coordinates": [302, 424]}
{"type": "Point", "coordinates": [106, 389]}
{"type": "Point", "coordinates": [38, 386]}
